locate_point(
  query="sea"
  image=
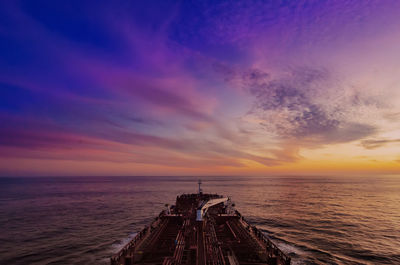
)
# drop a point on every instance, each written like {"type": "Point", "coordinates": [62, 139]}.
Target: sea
{"type": "Point", "coordinates": [315, 220]}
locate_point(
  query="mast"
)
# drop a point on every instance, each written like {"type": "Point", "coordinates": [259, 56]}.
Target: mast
{"type": "Point", "coordinates": [200, 191]}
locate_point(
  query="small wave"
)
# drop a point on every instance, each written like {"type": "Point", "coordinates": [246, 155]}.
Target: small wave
{"type": "Point", "coordinates": [293, 251]}
{"type": "Point", "coordinates": [119, 244]}
{"type": "Point", "coordinates": [289, 249]}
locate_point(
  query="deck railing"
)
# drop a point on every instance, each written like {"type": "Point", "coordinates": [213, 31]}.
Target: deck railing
{"type": "Point", "coordinates": [131, 245]}
{"type": "Point", "coordinates": [270, 246]}
{"type": "Point", "coordinates": [134, 242]}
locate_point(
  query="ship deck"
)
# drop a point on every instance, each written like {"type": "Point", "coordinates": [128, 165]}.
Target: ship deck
{"type": "Point", "coordinates": [222, 237]}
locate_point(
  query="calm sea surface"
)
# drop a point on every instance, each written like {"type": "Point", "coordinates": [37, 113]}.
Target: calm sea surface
{"type": "Point", "coordinates": [85, 220]}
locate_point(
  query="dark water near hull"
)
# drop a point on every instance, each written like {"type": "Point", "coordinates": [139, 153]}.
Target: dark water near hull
{"type": "Point", "coordinates": [85, 220]}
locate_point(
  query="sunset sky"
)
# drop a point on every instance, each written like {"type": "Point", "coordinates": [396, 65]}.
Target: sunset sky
{"type": "Point", "coordinates": [199, 88]}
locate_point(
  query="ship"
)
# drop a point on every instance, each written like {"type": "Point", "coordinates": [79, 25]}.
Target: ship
{"type": "Point", "coordinates": [200, 229]}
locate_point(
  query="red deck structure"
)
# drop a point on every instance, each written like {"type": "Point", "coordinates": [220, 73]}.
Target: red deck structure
{"type": "Point", "coordinates": [201, 229]}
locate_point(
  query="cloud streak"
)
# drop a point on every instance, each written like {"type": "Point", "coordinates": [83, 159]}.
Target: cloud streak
{"type": "Point", "coordinates": [377, 143]}
{"type": "Point", "coordinates": [234, 86]}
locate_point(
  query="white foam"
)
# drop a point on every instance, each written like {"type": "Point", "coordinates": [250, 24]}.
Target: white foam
{"type": "Point", "coordinates": [290, 248]}
{"type": "Point", "coordinates": [287, 248]}
{"type": "Point", "coordinates": [118, 246]}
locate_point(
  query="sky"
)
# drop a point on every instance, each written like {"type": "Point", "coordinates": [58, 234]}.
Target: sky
{"type": "Point", "coordinates": [198, 88]}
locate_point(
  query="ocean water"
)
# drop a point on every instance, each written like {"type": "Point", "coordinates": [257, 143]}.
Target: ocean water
{"type": "Point", "coordinates": [84, 220]}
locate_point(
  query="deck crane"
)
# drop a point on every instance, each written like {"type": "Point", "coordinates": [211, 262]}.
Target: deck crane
{"type": "Point", "coordinates": [202, 209]}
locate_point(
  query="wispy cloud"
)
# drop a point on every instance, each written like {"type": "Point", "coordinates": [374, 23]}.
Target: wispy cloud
{"type": "Point", "coordinates": [303, 104]}
{"type": "Point", "coordinates": [377, 143]}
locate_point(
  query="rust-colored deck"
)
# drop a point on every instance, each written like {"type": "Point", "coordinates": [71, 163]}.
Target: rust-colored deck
{"type": "Point", "coordinates": [223, 237]}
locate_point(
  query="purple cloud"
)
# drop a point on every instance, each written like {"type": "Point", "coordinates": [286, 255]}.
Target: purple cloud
{"type": "Point", "coordinates": [298, 105]}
